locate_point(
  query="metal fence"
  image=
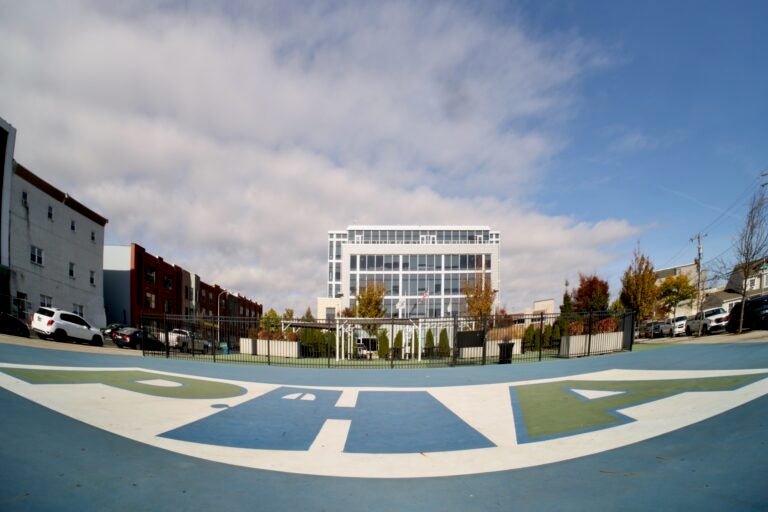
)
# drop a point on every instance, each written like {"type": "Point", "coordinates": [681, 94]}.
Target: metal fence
{"type": "Point", "coordinates": [389, 342]}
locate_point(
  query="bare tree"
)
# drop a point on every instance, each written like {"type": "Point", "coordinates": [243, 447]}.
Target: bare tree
{"type": "Point", "coordinates": [751, 246]}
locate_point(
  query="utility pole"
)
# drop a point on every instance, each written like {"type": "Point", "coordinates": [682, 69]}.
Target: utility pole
{"type": "Point", "coordinates": [698, 238]}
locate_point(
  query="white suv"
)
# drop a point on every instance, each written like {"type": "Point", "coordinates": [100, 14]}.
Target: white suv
{"type": "Point", "coordinates": [64, 326]}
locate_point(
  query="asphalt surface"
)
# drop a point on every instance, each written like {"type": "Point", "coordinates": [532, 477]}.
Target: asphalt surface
{"type": "Point", "coordinates": [49, 461]}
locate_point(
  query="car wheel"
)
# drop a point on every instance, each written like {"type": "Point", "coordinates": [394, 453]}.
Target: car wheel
{"type": "Point", "coordinates": [687, 331]}
{"type": "Point", "coordinates": [97, 341]}
{"type": "Point", "coordinates": [704, 331]}
{"type": "Point", "coordinates": [60, 336]}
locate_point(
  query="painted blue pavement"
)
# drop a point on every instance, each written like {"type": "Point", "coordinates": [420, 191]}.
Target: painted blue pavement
{"type": "Point", "coordinates": [51, 462]}
{"type": "Point", "coordinates": [677, 357]}
{"type": "Point", "coordinates": [381, 422]}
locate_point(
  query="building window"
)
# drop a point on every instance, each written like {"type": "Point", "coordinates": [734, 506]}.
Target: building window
{"type": "Point", "coordinates": [167, 306]}
{"type": "Point", "coordinates": [71, 270]}
{"type": "Point", "coordinates": [93, 236]}
{"type": "Point", "coordinates": [150, 275]}
{"type": "Point", "coordinates": [46, 301]}
{"type": "Point", "coordinates": [50, 212]}
{"type": "Point", "coordinates": [149, 300]}
{"type": "Point", "coordinates": [93, 278]}
{"type": "Point", "coordinates": [167, 282]}
{"type": "Point", "coordinates": [72, 225]}
{"type": "Point", "coordinates": [24, 199]}
{"type": "Point", "coordinates": [36, 255]}
{"type": "Point", "coordinates": [78, 309]}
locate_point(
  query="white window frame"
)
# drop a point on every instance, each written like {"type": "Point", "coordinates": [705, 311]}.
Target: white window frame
{"type": "Point", "coordinates": [36, 255]}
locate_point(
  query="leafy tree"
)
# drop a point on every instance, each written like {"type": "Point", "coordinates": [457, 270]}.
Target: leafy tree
{"type": "Point", "coordinates": [308, 315]}
{"type": "Point", "coordinates": [370, 301]}
{"type": "Point", "coordinates": [676, 289]}
{"type": "Point", "coordinates": [270, 323]}
{"type": "Point", "coordinates": [480, 295]}
{"type": "Point", "coordinates": [288, 314]}
{"type": "Point", "coordinates": [444, 347]}
{"type": "Point", "coordinates": [616, 308]}
{"type": "Point", "coordinates": [383, 344]}
{"type": "Point", "coordinates": [430, 344]}
{"type": "Point", "coordinates": [591, 295]}
{"type": "Point", "coordinates": [638, 286]}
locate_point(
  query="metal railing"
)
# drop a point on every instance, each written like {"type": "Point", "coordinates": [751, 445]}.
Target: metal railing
{"type": "Point", "coordinates": [389, 342]}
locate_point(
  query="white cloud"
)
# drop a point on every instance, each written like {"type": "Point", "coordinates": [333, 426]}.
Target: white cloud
{"type": "Point", "coordinates": [230, 142]}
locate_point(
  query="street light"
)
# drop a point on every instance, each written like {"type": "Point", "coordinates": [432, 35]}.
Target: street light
{"type": "Point", "coordinates": [218, 320]}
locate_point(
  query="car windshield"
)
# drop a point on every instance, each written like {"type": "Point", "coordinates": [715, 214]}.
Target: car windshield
{"type": "Point", "coordinates": [681, 319]}
{"type": "Point", "coordinates": [712, 312]}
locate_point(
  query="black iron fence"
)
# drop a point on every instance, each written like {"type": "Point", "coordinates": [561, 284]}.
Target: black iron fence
{"type": "Point", "coordinates": [389, 342]}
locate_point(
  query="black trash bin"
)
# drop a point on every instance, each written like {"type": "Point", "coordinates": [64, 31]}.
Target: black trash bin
{"type": "Point", "coordinates": [505, 352]}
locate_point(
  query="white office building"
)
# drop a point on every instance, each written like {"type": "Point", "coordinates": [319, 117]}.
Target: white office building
{"type": "Point", "coordinates": [423, 268]}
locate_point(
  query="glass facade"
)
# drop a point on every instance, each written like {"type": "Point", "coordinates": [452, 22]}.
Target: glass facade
{"type": "Point", "coordinates": [423, 270]}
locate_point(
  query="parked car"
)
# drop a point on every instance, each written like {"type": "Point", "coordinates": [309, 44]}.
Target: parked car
{"type": "Point", "coordinates": [64, 326]}
{"type": "Point", "coordinates": [709, 320]}
{"type": "Point", "coordinates": [9, 324]}
{"type": "Point", "coordinates": [652, 329]}
{"type": "Point", "coordinates": [178, 338]}
{"type": "Point", "coordinates": [110, 331]}
{"type": "Point", "coordinates": [755, 314]}
{"type": "Point", "coordinates": [133, 337]}
{"type": "Point", "coordinates": [674, 326]}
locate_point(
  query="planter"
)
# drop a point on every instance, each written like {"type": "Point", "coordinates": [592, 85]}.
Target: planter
{"type": "Point", "coordinates": [601, 343]}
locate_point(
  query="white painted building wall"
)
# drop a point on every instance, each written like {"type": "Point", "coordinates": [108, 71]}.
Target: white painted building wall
{"type": "Point", "coordinates": [48, 279]}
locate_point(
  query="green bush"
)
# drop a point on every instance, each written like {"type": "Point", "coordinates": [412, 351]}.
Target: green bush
{"type": "Point", "coordinates": [398, 345]}
{"type": "Point", "coordinates": [383, 344]}
{"type": "Point", "coordinates": [429, 347]}
{"type": "Point", "coordinates": [443, 346]}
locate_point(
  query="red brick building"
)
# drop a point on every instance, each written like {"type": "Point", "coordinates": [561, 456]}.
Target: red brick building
{"type": "Point", "coordinates": [137, 283]}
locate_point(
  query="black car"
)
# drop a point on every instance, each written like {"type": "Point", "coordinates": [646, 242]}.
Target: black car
{"type": "Point", "coordinates": [112, 329]}
{"type": "Point", "coordinates": [11, 325]}
{"type": "Point", "coordinates": [755, 314]}
{"type": "Point", "coordinates": [133, 337]}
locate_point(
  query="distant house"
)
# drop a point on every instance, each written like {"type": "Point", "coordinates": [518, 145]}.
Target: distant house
{"type": "Point", "coordinates": [687, 308]}
{"type": "Point", "coordinates": [756, 284]}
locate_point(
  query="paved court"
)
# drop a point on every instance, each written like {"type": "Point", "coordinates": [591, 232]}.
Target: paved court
{"type": "Point", "coordinates": [668, 427]}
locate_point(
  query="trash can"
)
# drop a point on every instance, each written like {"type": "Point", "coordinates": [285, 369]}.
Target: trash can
{"type": "Point", "coordinates": [224, 349]}
{"type": "Point", "coordinates": [505, 352]}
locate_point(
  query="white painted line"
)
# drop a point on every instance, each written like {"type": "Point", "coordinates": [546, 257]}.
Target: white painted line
{"type": "Point", "coordinates": [162, 383]}
{"type": "Point", "coordinates": [332, 437]}
{"type": "Point", "coordinates": [348, 398]}
{"type": "Point", "coordinates": [594, 394]}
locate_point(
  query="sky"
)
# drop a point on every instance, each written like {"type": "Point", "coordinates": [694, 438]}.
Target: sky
{"type": "Point", "coordinates": [230, 137]}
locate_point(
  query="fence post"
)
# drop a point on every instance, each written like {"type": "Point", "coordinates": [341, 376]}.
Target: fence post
{"type": "Point", "coordinates": [328, 347]}
{"type": "Point", "coordinates": [589, 334]}
{"type": "Point", "coordinates": [541, 334]}
{"type": "Point", "coordinates": [485, 338]}
{"type": "Point", "coordinates": [269, 345]}
{"type": "Point", "coordinates": [454, 346]}
{"type": "Point", "coordinates": [167, 339]}
{"type": "Point", "coordinates": [391, 352]}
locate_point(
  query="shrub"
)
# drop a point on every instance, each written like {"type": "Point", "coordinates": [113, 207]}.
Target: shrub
{"type": "Point", "coordinates": [398, 346]}
{"type": "Point", "coordinates": [429, 347]}
{"type": "Point", "coordinates": [415, 346]}
{"type": "Point", "coordinates": [606, 325]}
{"type": "Point", "coordinates": [383, 344]}
{"type": "Point", "coordinates": [443, 346]}
{"type": "Point", "coordinates": [575, 328]}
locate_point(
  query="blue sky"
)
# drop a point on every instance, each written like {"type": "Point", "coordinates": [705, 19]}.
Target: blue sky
{"type": "Point", "coordinates": [230, 137]}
